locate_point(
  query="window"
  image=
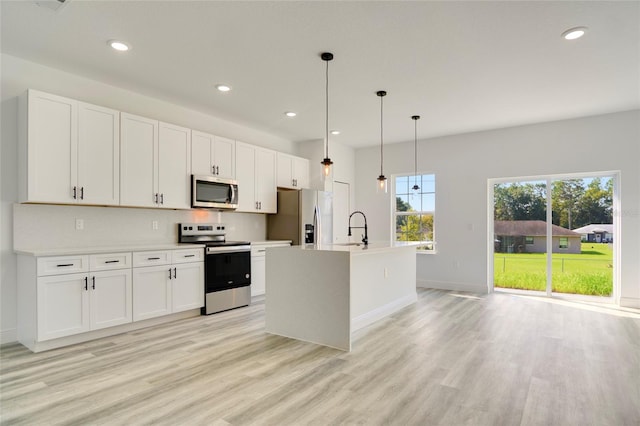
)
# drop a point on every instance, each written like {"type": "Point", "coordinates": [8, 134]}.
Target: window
{"type": "Point", "coordinates": [563, 243]}
{"type": "Point", "coordinates": [528, 240]}
{"type": "Point", "coordinates": [414, 209]}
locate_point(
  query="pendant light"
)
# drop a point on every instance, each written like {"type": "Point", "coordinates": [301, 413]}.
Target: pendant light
{"type": "Point", "coordinates": [326, 163]}
{"type": "Point", "coordinates": [415, 119]}
{"type": "Point", "coordinates": [382, 180]}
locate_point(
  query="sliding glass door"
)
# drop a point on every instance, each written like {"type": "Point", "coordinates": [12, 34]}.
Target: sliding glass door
{"type": "Point", "coordinates": [554, 235]}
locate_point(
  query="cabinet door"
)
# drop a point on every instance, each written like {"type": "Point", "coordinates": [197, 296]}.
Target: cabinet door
{"type": "Point", "coordinates": [52, 136]}
{"type": "Point", "coordinates": [246, 177]}
{"type": "Point", "coordinates": [188, 286]}
{"type": "Point", "coordinates": [151, 292]}
{"type": "Point", "coordinates": [301, 172]}
{"type": "Point", "coordinates": [224, 157]}
{"type": "Point", "coordinates": [174, 166]}
{"type": "Point", "coordinates": [138, 159]}
{"type": "Point", "coordinates": [98, 155]}
{"type": "Point", "coordinates": [110, 298]}
{"type": "Point", "coordinates": [63, 306]}
{"type": "Point", "coordinates": [201, 154]}
{"type": "Point", "coordinates": [258, 274]}
{"type": "Point", "coordinates": [266, 180]}
{"type": "Point", "coordinates": [285, 171]}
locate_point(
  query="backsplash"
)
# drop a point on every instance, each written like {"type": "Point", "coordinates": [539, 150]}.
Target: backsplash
{"type": "Point", "coordinates": [39, 226]}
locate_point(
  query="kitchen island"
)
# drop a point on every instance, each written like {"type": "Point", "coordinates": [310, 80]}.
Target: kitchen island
{"type": "Point", "coordinates": [324, 293]}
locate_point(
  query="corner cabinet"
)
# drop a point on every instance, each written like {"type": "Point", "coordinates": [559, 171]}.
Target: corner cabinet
{"type": "Point", "coordinates": [293, 172]}
{"type": "Point", "coordinates": [212, 155]}
{"type": "Point", "coordinates": [256, 176]}
{"type": "Point", "coordinates": [69, 151]}
{"type": "Point", "coordinates": [155, 163]}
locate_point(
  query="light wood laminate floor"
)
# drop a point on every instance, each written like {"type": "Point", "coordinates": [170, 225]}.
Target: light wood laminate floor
{"type": "Point", "coordinates": [450, 359]}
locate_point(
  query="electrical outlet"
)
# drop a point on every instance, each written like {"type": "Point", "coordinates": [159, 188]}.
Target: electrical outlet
{"type": "Point", "coordinates": [79, 224]}
{"type": "Point", "coordinates": [154, 225]}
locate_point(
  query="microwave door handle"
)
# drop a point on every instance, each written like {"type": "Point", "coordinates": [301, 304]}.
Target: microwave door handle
{"type": "Point", "coordinates": [233, 193]}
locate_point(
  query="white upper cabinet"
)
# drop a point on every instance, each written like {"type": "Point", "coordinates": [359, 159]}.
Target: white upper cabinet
{"type": "Point", "coordinates": [174, 165]}
{"type": "Point", "coordinates": [98, 154]}
{"type": "Point", "coordinates": [69, 151]}
{"type": "Point", "coordinates": [212, 155]}
{"type": "Point", "coordinates": [154, 163]}
{"type": "Point", "coordinates": [138, 161]}
{"type": "Point", "coordinates": [293, 172]}
{"type": "Point", "coordinates": [256, 176]}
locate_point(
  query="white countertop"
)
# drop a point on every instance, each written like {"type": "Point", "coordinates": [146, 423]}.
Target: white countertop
{"type": "Point", "coordinates": [106, 249]}
{"type": "Point", "coordinates": [357, 248]}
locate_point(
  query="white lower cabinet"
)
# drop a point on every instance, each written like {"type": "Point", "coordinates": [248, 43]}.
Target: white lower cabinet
{"type": "Point", "coordinates": [67, 299]}
{"type": "Point", "coordinates": [176, 285]}
{"type": "Point", "coordinates": [69, 304]}
{"type": "Point", "coordinates": [151, 292]}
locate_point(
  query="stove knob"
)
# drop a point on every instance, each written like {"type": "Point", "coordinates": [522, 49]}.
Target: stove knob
{"type": "Point", "coordinates": [247, 275]}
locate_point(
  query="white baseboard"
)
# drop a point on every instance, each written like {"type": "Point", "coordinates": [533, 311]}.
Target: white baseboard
{"type": "Point", "coordinates": [8, 336]}
{"type": "Point", "coordinates": [446, 285]}
{"type": "Point", "coordinates": [630, 302]}
{"type": "Point", "coordinates": [382, 312]}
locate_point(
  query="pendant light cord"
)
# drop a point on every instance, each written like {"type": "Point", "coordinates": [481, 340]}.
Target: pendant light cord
{"type": "Point", "coordinates": [326, 130]}
{"type": "Point", "coordinates": [415, 148]}
{"type": "Point", "coordinates": [381, 153]}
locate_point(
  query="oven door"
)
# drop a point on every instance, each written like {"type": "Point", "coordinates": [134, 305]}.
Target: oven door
{"type": "Point", "coordinates": [227, 269]}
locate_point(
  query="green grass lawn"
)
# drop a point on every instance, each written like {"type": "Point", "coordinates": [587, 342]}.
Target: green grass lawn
{"type": "Point", "coordinates": [590, 272]}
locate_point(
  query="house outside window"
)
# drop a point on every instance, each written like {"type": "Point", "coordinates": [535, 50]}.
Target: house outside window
{"type": "Point", "coordinates": [528, 240]}
{"type": "Point", "coordinates": [414, 211]}
{"type": "Point", "coordinates": [563, 243]}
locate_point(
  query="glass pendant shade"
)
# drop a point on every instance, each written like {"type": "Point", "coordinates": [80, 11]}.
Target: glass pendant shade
{"type": "Point", "coordinates": [326, 169]}
{"type": "Point", "coordinates": [381, 184]}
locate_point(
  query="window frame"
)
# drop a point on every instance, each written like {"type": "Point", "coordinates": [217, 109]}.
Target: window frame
{"type": "Point", "coordinates": [528, 240]}
{"type": "Point", "coordinates": [421, 245]}
{"type": "Point", "coordinates": [560, 246]}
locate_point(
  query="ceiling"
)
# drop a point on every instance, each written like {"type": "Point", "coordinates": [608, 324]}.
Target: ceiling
{"type": "Point", "coordinates": [462, 66]}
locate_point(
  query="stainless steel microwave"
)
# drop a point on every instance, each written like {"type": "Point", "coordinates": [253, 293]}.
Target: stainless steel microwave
{"type": "Point", "coordinates": [213, 192]}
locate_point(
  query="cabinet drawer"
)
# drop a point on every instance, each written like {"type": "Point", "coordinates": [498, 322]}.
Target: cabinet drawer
{"type": "Point", "coordinates": [188, 255]}
{"type": "Point", "coordinates": [151, 258]}
{"type": "Point", "coordinates": [62, 265]}
{"type": "Point", "coordinates": [107, 261]}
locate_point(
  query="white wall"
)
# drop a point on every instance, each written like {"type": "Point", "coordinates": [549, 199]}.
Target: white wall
{"type": "Point", "coordinates": [464, 163]}
{"type": "Point", "coordinates": [343, 158]}
{"type": "Point", "coordinates": [132, 225]}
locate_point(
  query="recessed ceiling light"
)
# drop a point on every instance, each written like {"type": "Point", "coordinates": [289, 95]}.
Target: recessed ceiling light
{"type": "Point", "coordinates": [223, 87]}
{"type": "Point", "coordinates": [574, 33]}
{"type": "Point", "coordinates": [290, 114]}
{"type": "Point", "coordinates": [335, 132]}
{"type": "Point", "coordinates": [119, 45]}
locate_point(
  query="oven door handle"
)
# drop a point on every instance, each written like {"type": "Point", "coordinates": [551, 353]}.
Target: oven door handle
{"type": "Point", "coordinates": [225, 250]}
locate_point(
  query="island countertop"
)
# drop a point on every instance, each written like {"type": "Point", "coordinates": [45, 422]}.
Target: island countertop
{"type": "Point", "coordinates": [357, 248]}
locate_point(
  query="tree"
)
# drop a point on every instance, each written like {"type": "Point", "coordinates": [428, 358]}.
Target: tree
{"type": "Point", "coordinates": [565, 197]}
{"type": "Point", "coordinates": [520, 201]}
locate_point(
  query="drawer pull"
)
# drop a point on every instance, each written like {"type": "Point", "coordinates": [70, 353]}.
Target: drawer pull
{"type": "Point", "coordinates": [64, 264]}
{"type": "Point", "coordinates": [262, 251]}
{"type": "Point", "coordinates": [189, 255]}
{"type": "Point", "coordinates": [112, 261]}
{"type": "Point", "coordinates": [153, 258]}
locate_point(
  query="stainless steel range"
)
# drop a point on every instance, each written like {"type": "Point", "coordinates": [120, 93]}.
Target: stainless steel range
{"type": "Point", "coordinates": [227, 272]}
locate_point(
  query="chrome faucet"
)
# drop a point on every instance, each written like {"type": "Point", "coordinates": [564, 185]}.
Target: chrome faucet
{"type": "Point", "coordinates": [365, 238]}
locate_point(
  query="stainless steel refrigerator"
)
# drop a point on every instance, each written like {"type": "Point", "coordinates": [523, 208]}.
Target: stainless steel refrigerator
{"type": "Point", "coordinates": [304, 217]}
